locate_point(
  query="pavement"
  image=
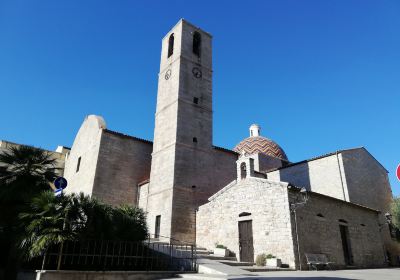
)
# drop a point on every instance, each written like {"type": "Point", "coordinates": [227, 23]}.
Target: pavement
{"type": "Point", "coordinates": [359, 274]}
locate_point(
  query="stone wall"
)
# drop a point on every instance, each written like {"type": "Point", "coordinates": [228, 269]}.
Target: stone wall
{"type": "Point", "coordinates": [368, 184]}
{"type": "Point", "coordinates": [217, 221]}
{"type": "Point", "coordinates": [86, 146]}
{"type": "Point", "coordinates": [318, 230]}
{"type": "Point", "coordinates": [59, 155]}
{"type": "Point", "coordinates": [123, 162]}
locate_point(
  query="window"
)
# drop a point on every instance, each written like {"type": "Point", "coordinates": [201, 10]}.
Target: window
{"type": "Point", "coordinates": [157, 227]}
{"type": "Point", "coordinates": [320, 215]}
{"type": "Point", "coordinates": [195, 100]}
{"type": "Point", "coordinates": [244, 214]}
{"type": "Point", "coordinates": [193, 187]}
{"type": "Point", "coordinates": [342, 221]}
{"type": "Point", "coordinates": [171, 45]}
{"type": "Point", "coordinates": [243, 170]}
{"type": "Point", "coordinates": [194, 139]}
{"type": "Point", "coordinates": [78, 165]}
{"type": "Point", "coordinates": [196, 43]}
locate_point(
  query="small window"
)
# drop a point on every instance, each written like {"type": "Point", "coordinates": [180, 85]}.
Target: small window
{"type": "Point", "coordinates": [157, 227]}
{"type": "Point", "coordinates": [171, 45]}
{"type": "Point", "coordinates": [320, 215]}
{"type": "Point", "coordinates": [342, 221]}
{"type": "Point", "coordinates": [194, 139]}
{"type": "Point", "coordinates": [196, 43]}
{"type": "Point", "coordinates": [195, 100]}
{"type": "Point", "coordinates": [363, 225]}
{"type": "Point", "coordinates": [193, 187]}
{"type": "Point", "coordinates": [243, 172]}
{"type": "Point", "coordinates": [244, 214]}
{"type": "Point", "coordinates": [78, 165]}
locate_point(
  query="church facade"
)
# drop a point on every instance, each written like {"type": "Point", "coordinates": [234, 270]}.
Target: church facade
{"type": "Point", "coordinates": [251, 199]}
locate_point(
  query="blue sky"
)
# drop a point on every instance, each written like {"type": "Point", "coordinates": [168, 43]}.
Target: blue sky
{"type": "Point", "coordinates": [318, 76]}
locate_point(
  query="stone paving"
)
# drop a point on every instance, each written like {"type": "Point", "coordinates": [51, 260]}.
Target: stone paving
{"type": "Point", "coordinates": [359, 274]}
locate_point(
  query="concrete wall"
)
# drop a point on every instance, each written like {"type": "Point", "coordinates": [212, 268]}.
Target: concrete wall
{"type": "Point", "coordinates": [86, 146]}
{"type": "Point", "coordinates": [217, 221]}
{"type": "Point", "coordinates": [322, 234]}
{"type": "Point", "coordinates": [123, 162]}
{"type": "Point", "coordinates": [324, 175]}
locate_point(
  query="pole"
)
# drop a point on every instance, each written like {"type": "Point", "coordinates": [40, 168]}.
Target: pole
{"type": "Point", "coordinates": [297, 237]}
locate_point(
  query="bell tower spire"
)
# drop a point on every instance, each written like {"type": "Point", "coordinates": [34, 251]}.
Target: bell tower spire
{"type": "Point", "coordinates": [183, 133]}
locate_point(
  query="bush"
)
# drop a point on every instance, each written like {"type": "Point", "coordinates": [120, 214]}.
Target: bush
{"type": "Point", "coordinates": [270, 256]}
{"type": "Point", "coordinates": [261, 260]}
{"type": "Point", "coordinates": [220, 246]}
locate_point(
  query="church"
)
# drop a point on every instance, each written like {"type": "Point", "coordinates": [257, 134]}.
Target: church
{"type": "Point", "coordinates": [252, 199]}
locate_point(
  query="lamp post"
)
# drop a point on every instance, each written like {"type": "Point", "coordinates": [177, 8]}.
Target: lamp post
{"type": "Point", "coordinates": [293, 207]}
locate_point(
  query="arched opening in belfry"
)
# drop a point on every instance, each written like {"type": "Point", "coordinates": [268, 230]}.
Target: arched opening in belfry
{"type": "Point", "coordinates": [171, 45]}
{"type": "Point", "coordinates": [196, 43]}
{"type": "Point", "coordinates": [243, 172]}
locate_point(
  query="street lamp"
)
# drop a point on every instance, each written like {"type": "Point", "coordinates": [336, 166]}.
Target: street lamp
{"type": "Point", "coordinates": [301, 200]}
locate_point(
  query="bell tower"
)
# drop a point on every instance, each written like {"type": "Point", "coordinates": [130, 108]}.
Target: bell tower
{"type": "Point", "coordinates": [182, 148]}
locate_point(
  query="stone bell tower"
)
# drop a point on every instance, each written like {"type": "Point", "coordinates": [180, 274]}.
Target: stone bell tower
{"type": "Point", "coordinates": [182, 146]}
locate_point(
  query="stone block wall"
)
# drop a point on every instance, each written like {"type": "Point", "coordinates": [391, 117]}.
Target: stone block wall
{"type": "Point", "coordinates": [318, 230]}
{"type": "Point", "coordinates": [217, 221]}
{"type": "Point", "coordinates": [123, 162]}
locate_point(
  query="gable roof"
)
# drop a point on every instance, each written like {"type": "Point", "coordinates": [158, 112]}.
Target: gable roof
{"type": "Point", "coordinates": [324, 156]}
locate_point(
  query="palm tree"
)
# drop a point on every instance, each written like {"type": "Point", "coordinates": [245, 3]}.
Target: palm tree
{"type": "Point", "coordinates": [24, 172]}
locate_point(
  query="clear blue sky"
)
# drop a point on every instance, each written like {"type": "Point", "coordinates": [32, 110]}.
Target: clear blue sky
{"type": "Point", "coordinates": [316, 75]}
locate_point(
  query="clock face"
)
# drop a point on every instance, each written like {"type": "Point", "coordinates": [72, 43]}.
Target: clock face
{"type": "Point", "coordinates": [196, 72]}
{"type": "Point", "coordinates": [168, 74]}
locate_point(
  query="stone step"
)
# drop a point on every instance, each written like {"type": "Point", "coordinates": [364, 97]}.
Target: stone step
{"type": "Point", "coordinates": [213, 257]}
{"type": "Point", "coordinates": [237, 263]}
{"type": "Point", "coordinates": [263, 268]}
{"type": "Point", "coordinates": [200, 276]}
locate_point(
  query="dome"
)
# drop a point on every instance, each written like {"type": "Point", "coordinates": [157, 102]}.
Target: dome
{"type": "Point", "coordinates": [259, 144]}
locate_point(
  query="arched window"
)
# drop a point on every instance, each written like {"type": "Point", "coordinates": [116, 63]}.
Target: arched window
{"type": "Point", "coordinates": [196, 43]}
{"type": "Point", "coordinates": [171, 45]}
{"type": "Point", "coordinates": [243, 170]}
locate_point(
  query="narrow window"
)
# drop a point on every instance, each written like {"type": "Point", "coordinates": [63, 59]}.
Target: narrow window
{"type": "Point", "coordinates": [78, 165]}
{"type": "Point", "coordinates": [157, 227]}
{"type": "Point", "coordinates": [193, 187]}
{"type": "Point", "coordinates": [320, 215]}
{"type": "Point", "coordinates": [171, 45]}
{"type": "Point", "coordinates": [243, 170]}
{"type": "Point", "coordinates": [196, 43]}
{"type": "Point", "coordinates": [244, 214]}
{"type": "Point", "coordinates": [342, 221]}
{"type": "Point", "coordinates": [194, 139]}
{"type": "Point", "coordinates": [195, 100]}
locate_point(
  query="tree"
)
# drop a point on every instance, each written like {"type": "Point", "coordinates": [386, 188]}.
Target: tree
{"type": "Point", "coordinates": [51, 221]}
{"type": "Point", "coordinates": [395, 210]}
{"type": "Point", "coordinates": [24, 172]}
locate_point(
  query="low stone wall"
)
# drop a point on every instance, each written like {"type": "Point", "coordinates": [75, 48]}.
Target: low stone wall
{"type": "Point", "coordinates": [94, 275]}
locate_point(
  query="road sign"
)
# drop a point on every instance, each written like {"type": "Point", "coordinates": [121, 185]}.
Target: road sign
{"type": "Point", "coordinates": [398, 172]}
{"type": "Point", "coordinates": [58, 192]}
{"type": "Point", "coordinates": [60, 183]}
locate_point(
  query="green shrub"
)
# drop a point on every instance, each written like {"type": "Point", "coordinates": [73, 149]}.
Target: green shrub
{"type": "Point", "coordinates": [261, 260]}
{"type": "Point", "coordinates": [270, 256]}
{"type": "Point", "coordinates": [220, 246]}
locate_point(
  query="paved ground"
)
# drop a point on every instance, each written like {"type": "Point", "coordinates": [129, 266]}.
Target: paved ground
{"type": "Point", "coordinates": [359, 274]}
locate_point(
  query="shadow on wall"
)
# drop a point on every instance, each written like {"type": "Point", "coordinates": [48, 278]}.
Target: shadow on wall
{"type": "Point", "coordinates": [298, 175]}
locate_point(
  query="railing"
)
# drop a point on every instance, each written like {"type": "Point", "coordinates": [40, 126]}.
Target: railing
{"type": "Point", "coordinates": [101, 255]}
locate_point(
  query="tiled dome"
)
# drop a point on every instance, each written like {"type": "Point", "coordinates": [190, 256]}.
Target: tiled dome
{"type": "Point", "coordinates": [259, 144]}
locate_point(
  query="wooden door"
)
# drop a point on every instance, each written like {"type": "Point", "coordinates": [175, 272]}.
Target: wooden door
{"type": "Point", "coordinates": [344, 234]}
{"type": "Point", "coordinates": [246, 241]}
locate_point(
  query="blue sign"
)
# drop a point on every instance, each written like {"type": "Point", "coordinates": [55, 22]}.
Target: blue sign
{"type": "Point", "coordinates": [58, 192]}
{"type": "Point", "coordinates": [60, 183]}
